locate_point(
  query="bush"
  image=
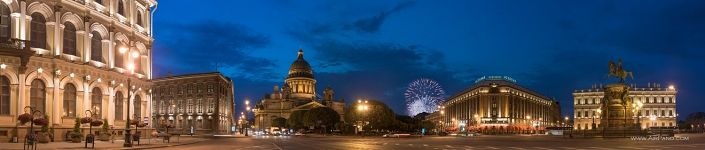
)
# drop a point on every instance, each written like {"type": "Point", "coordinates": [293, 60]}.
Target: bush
{"type": "Point", "coordinates": [76, 133]}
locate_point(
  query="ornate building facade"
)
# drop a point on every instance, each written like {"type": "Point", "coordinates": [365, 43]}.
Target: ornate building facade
{"type": "Point", "coordinates": [658, 106]}
{"type": "Point", "coordinates": [497, 105]}
{"type": "Point", "coordinates": [65, 57]}
{"type": "Point", "coordinates": [297, 93]}
{"type": "Point", "coordinates": [194, 103]}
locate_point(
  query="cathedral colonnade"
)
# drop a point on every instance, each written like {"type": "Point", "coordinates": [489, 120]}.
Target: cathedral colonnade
{"type": "Point", "coordinates": [66, 57]}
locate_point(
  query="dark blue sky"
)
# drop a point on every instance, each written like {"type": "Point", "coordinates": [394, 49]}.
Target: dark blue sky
{"type": "Point", "coordinates": [373, 49]}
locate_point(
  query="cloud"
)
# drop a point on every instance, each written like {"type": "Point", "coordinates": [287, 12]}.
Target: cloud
{"type": "Point", "coordinates": [209, 45]}
{"type": "Point", "coordinates": [373, 23]}
{"type": "Point", "coordinates": [370, 68]}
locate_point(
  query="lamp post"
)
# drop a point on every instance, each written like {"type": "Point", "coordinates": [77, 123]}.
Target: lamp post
{"type": "Point", "coordinates": [31, 138]}
{"type": "Point", "coordinates": [529, 122]}
{"type": "Point", "coordinates": [247, 111]}
{"type": "Point", "coordinates": [443, 117]}
{"type": "Point", "coordinates": [90, 137]}
{"type": "Point", "coordinates": [362, 107]}
{"type": "Point", "coordinates": [475, 123]}
{"type": "Point", "coordinates": [538, 123]}
{"type": "Point", "coordinates": [131, 70]}
{"type": "Point", "coordinates": [637, 107]}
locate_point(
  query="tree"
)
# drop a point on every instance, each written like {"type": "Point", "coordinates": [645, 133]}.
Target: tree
{"type": "Point", "coordinates": [378, 114]}
{"type": "Point", "coordinates": [279, 122]}
{"type": "Point", "coordinates": [695, 120]}
{"type": "Point", "coordinates": [321, 116]}
{"type": "Point", "coordinates": [296, 118]}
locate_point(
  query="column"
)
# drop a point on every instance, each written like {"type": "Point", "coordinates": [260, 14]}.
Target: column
{"type": "Point", "coordinates": [111, 51]}
{"type": "Point", "coordinates": [23, 23]}
{"type": "Point", "coordinates": [56, 114]}
{"type": "Point", "coordinates": [57, 30]}
{"type": "Point", "coordinates": [86, 97]}
{"type": "Point", "coordinates": [111, 106]}
{"type": "Point", "coordinates": [86, 39]}
{"type": "Point", "coordinates": [21, 93]}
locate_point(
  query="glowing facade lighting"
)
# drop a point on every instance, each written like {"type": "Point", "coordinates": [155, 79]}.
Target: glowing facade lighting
{"type": "Point", "coordinates": [3, 66]}
{"type": "Point", "coordinates": [40, 70]}
{"type": "Point", "coordinates": [122, 49]}
{"type": "Point", "coordinates": [135, 54]}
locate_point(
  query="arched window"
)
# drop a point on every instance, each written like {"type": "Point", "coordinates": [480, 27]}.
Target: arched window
{"type": "Point", "coordinates": [119, 56]}
{"type": "Point", "coordinates": [97, 102]}
{"type": "Point", "coordinates": [38, 31]}
{"type": "Point", "coordinates": [4, 22]}
{"type": "Point", "coordinates": [139, 19]}
{"type": "Point", "coordinates": [121, 8]}
{"type": "Point", "coordinates": [4, 96]}
{"type": "Point", "coordinates": [70, 39]}
{"type": "Point", "coordinates": [96, 47]}
{"type": "Point", "coordinates": [69, 101]}
{"type": "Point", "coordinates": [37, 95]}
{"type": "Point", "coordinates": [118, 106]}
{"type": "Point", "coordinates": [138, 107]}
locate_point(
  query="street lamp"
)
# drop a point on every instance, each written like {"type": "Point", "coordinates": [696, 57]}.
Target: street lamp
{"type": "Point", "coordinates": [361, 107]}
{"type": "Point", "coordinates": [597, 112]}
{"type": "Point", "coordinates": [637, 107]}
{"type": "Point", "coordinates": [247, 111]}
{"type": "Point", "coordinates": [130, 88]}
{"type": "Point", "coordinates": [529, 122]}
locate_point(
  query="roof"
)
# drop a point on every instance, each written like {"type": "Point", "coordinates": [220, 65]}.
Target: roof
{"type": "Point", "coordinates": [503, 81]}
{"type": "Point", "coordinates": [300, 67]}
{"type": "Point", "coordinates": [194, 75]}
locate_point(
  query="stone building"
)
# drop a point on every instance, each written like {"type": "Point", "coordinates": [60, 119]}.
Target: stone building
{"type": "Point", "coordinates": [658, 106]}
{"type": "Point", "coordinates": [65, 57]}
{"type": "Point", "coordinates": [498, 105]}
{"type": "Point", "coordinates": [297, 93]}
{"type": "Point", "coordinates": [194, 103]}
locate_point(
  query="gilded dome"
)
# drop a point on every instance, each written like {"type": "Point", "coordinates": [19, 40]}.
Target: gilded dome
{"type": "Point", "coordinates": [300, 68]}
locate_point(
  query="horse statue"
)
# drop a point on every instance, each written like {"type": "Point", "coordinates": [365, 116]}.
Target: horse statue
{"type": "Point", "coordinates": [616, 70]}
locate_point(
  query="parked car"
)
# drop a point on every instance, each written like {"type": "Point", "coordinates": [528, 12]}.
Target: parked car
{"type": "Point", "coordinates": [396, 135]}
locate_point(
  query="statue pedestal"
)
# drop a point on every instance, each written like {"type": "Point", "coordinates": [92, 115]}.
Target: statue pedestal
{"type": "Point", "coordinates": [617, 118]}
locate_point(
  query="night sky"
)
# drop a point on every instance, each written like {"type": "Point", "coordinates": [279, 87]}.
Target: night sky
{"type": "Point", "coordinates": [373, 49]}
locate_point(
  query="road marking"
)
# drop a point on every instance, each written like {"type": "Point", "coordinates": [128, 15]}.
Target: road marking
{"type": "Point", "coordinates": [396, 144]}
{"type": "Point", "coordinates": [570, 148]}
{"type": "Point", "coordinates": [411, 144]}
{"type": "Point", "coordinates": [275, 145]}
{"type": "Point", "coordinates": [490, 147]}
{"type": "Point", "coordinates": [630, 147]}
{"type": "Point", "coordinates": [384, 143]}
{"type": "Point", "coordinates": [515, 147]}
{"type": "Point", "coordinates": [543, 148]}
{"type": "Point", "coordinates": [425, 144]}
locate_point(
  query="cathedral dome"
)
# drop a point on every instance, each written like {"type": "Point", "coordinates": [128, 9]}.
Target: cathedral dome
{"type": "Point", "coordinates": [300, 68]}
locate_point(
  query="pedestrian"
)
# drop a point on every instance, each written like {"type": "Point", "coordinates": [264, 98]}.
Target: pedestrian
{"type": "Point", "coordinates": [112, 137]}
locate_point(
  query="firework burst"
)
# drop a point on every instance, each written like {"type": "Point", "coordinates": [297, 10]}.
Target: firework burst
{"type": "Point", "coordinates": [423, 95]}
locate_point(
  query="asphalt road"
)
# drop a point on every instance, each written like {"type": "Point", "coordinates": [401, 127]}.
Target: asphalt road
{"type": "Point", "coordinates": [694, 141]}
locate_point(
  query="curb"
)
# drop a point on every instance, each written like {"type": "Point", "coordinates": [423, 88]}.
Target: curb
{"type": "Point", "coordinates": [163, 146]}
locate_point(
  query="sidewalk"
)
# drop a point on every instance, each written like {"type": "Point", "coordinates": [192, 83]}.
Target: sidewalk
{"type": "Point", "coordinates": [144, 144]}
